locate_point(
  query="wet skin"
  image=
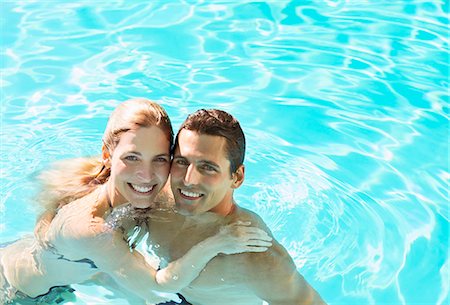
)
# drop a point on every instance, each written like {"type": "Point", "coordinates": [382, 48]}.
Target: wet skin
{"type": "Point", "coordinates": [139, 167]}
{"type": "Point", "coordinates": [203, 190]}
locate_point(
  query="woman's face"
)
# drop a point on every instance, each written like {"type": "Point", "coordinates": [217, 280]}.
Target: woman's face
{"type": "Point", "coordinates": [140, 166]}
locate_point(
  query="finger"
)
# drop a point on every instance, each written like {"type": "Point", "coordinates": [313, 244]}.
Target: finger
{"type": "Point", "coordinates": [247, 237]}
{"type": "Point", "coordinates": [242, 223]}
{"type": "Point", "coordinates": [259, 243]}
{"type": "Point", "coordinates": [251, 231]}
{"type": "Point", "coordinates": [255, 249]}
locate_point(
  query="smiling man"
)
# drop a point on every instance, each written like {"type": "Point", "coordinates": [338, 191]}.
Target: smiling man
{"type": "Point", "coordinates": [207, 167]}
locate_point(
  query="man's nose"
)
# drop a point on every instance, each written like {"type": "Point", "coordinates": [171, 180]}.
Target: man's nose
{"type": "Point", "coordinates": [191, 176]}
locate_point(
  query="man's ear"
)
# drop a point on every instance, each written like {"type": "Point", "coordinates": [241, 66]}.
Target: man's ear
{"type": "Point", "coordinates": [106, 157]}
{"type": "Point", "coordinates": [238, 177]}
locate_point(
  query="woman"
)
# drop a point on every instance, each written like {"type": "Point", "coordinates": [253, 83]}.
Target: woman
{"type": "Point", "coordinates": [78, 241]}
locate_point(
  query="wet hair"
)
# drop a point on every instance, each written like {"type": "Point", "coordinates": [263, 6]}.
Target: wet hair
{"type": "Point", "coordinates": [133, 114]}
{"type": "Point", "coordinates": [72, 179]}
{"type": "Point", "coordinates": [216, 122]}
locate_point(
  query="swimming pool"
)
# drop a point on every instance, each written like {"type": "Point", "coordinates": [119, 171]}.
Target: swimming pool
{"type": "Point", "coordinates": [344, 105]}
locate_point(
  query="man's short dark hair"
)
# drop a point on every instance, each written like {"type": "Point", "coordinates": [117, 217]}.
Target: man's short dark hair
{"type": "Point", "coordinates": [216, 122]}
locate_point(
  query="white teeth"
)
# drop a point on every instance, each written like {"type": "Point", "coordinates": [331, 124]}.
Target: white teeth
{"type": "Point", "coordinates": [190, 194]}
{"type": "Point", "coordinates": [142, 189]}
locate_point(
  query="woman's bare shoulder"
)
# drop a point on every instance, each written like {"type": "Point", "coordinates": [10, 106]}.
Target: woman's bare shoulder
{"type": "Point", "coordinates": [77, 222]}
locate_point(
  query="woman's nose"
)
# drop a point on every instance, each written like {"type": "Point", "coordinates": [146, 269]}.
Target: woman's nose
{"type": "Point", "coordinates": [145, 173]}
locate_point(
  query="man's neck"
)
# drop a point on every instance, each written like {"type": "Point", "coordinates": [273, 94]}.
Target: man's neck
{"type": "Point", "coordinates": [214, 215]}
{"type": "Point", "coordinates": [224, 209]}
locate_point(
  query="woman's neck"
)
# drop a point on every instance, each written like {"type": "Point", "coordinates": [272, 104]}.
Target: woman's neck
{"type": "Point", "coordinates": [102, 204]}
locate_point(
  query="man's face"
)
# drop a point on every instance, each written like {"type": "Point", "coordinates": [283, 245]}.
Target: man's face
{"type": "Point", "coordinates": [200, 174]}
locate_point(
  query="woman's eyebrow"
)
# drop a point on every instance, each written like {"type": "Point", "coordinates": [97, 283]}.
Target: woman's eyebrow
{"type": "Point", "coordinates": [163, 155]}
{"type": "Point", "coordinates": [133, 152]}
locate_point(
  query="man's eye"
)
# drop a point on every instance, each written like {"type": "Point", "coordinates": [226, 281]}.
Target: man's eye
{"type": "Point", "coordinates": [208, 168]}
{"type": "Point", "coordinates": [131, 158]}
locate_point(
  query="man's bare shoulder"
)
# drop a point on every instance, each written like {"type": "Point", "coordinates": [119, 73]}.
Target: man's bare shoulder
{"type": "Point", "coordinates": [271, 262]}
{"type": "Point", "coordinates": [272, 275]}
{"type": "Point", "coordinates": [243, 214]}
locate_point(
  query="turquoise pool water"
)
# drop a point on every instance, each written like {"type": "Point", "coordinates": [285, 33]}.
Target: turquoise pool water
{"type": "Point", "coordinates": [344, 104]}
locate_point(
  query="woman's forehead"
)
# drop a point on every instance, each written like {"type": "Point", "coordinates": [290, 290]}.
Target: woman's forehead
{"type": "Point", "coordinates": [144, 138]}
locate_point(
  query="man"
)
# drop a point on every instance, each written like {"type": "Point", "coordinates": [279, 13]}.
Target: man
{"type": "Point", "coordinates": [207, 167]}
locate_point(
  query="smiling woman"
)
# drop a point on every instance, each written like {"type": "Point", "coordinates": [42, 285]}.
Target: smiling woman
{"type": "Point", "coordinates": [74, 240]}
{"type": "Point", "coordinates": [139, 167]}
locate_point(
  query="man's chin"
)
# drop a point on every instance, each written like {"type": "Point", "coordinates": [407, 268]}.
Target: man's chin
{"type": "Point", "coordinates": [184, 211]}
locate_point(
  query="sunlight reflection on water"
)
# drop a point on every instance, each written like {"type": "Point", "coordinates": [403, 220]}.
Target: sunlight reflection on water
{"type": "Point", "coordinates": [344, 104]}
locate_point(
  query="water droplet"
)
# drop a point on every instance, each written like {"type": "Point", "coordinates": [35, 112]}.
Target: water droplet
{"type": "Point", "coordinates": [175, 277]}
{"type": "Point", "coordinates": [193, 266]}
{"type": "Point", "coordinates": [222, 279]}
{"type": "Point", "coordinates": [156, 246]}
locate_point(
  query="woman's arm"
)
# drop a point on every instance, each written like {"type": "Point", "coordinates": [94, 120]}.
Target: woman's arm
{"type": "Point", "coordinates": [231, 239]}
{"type": "Point", "coordinates": [112, 255]}
{"type": "Point", "coordinates": [42, 225]}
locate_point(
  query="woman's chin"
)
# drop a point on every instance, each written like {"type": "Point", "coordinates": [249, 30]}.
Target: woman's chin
{"type": "Point", "coordinates": [139, 204]}
{"type": "Point", "coordinates": [142, 201]}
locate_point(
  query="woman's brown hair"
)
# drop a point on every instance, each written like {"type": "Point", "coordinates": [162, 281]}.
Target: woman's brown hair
{"type": "Point", "coordinates": [72, 179]}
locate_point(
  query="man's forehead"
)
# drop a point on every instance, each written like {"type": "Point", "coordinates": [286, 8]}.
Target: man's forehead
{"type": "Point", "coordinates": [198, 143]}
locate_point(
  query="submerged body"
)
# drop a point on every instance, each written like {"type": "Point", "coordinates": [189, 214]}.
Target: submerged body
{"type": "Point", "coordinates": [32, 268]}
{"type": "Point", "coordinates": [239, 279]}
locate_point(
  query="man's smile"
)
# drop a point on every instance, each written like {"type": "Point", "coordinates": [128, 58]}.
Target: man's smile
{"type": "Point", "coordinates": [190, 195]}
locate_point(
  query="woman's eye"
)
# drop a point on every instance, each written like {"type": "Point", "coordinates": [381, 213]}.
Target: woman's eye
{"type": "Point", "coordinates": [131, 158]}
{"type": "Point", "coordinates": [161, 160]}
{"type": "Point", "coordinates": [181, 162]}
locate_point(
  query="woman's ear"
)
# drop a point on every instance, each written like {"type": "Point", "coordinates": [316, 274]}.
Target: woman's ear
{"type": "Point", "coordinates": [106, 157]}
{"type": "Point", "coordinates": [238, 177]}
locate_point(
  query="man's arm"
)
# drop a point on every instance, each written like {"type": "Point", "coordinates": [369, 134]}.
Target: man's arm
{"type": "Point", "coordinates": [274, 278]}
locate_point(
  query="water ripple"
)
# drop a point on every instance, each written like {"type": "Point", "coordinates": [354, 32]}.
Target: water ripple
{"type": "Point", "coordinates": [345, 108]}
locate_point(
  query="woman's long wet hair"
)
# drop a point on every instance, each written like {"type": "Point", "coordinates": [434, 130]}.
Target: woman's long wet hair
{"type": "Point", "coordinates": [71, 179]}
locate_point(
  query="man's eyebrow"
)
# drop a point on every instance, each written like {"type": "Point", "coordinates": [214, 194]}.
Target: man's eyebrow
{"type": "Point", "coordinates": [209, 163]}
